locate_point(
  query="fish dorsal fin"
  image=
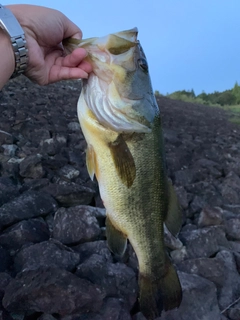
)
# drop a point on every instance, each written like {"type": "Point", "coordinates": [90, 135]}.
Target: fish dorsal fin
{"type": "Point", "coordinates": [117, 241]}
{"type": "Point", "coordinates": [123, 161]}
{"type": "Point", "coordinates": [173, 218]}
{"type": "Point", "coordinates": [91, 161]}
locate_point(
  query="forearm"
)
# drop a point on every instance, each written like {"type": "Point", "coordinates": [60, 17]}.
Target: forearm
{"type": "Point", "coordinates": [7, 60]}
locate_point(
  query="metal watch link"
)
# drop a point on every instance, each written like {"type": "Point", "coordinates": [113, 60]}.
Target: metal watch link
{"type": "Point", "coordinates": [11, 26]}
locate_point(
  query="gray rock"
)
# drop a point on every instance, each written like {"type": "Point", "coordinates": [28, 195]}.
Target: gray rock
{"type": "Point", "coordinates": [6, 138]}
{"type": "Point", "coordinates": [68, 172]}
{"type": "Point", "coordinates": [231, 289]}
{"type": "Point", "coordinates": [30, 204]}
{"type": "Point", "coordinates": [233, 228]}
{"type": "Point", "coordinates": [50, 146]}
{"type": "Point", "coordinates": [74, 126]}
{"type": "Point", "coordinates": [233, 311]}
{"type": "Point", "coordinates": [46, 317]}
{"type": "Point", "coordinates": [182, 197]}
{"type": "Point", "coordinates": [5, 278]}
{"type": "Point", "coordinates": [5, 259]}
{"type": "Point", "coordinates": [230, 189]}
{"type": "Point", "coordinates": [75, 225]}
{"type": "Point", "coordinates": [31, 167]}
{"type": "Point", "coordinates": [210, 268]}
{"type": "Point", "coordinates": [210, 217]}
{"type": "Point", "coordinates": [70, 194]}
{"type": "Point", "coordinates": [23, 232]}
{"type": "Point", "coordinates": [8, 190]}
{"type": "Point", "coordinates": [116, 279]}
{"type": "Point", "coordinates": [170, 241]}
{"type": "Point", "coordinates": [184, 177]}
{"type": "Point", "coordinates": [112, 309]}
{"type": "Point", "coordinates": [204, 242]}
{"type": "Point", "coordinates": [52, 291]}
{"type": "Point", "coordinates": [199, 300]}
{"type": "Point", "coordinates": [197, 204]}
{"type": "Point", "coordinates": [96, 247]}
{"type": "Point", "coordinates": [46, 254]}
{"type": "Point", "coordinates": [9, 149]}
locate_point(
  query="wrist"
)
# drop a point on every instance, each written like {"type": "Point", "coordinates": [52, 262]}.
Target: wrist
{"type": "Point", "coordinates": [7, 61]}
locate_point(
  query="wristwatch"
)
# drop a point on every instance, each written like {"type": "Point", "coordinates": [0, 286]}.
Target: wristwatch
{"type": "Point", "coordinates": [10, 24]}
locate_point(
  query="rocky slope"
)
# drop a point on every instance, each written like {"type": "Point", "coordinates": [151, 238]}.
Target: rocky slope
{"type": "Point", "coordinates": [54, 261]}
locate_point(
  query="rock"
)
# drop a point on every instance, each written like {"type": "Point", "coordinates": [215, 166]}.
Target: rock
{"type": "Point", "coordinates": [75, 225]}
{"type": "Point", "coordinates": [9, 149]}
{"type": "Point", "coordinates": [199, 300]}
{"type": "Point", "coordinates": [112, 309]}
{"type": "Point", "coordinates": [70, 194]}
{"type": "Point", "coordinates": [204, 242]}
{"type": "Point", "coordinates": [23, 232]}
{"type": "Point", "coordinates": [8, 190]}
{"type": "Point", "coordinates": [34, 184]}
{"type": "Point", "coordinates": [233, 312]}
{"type": "Point", "coordinates": [51, 146]}
{"type": "Point", "coordinates": [52, 291]}
{"type": "Point", "coordinates": [30, 204]}
{"type": "Point", "coordinates": [170, 241]}
{"type": "Point", "coordinates": [74, 126]}
{"type": "Point", "coordinates": [46, 254]}
{"type": "Point", "coordinates": [210, 217]}
{"type": "Point", "coordinates": [96, 247]}
{"type": "Point", "coordinates": [233, 228]}
{"type": "Point", "coordinates": [6, 138]}
{"type": "Point", "coordinates": [182, 197]}
{"type": "Point", "coordinates": [5, 278]}
{"type": "Point", "coordinates": [184, 177]}
{"type": "Point", "coordinates": [115, 279]}
{"type": "Point", "coordinates": [5, 259]}
{"type": "Point", "coordinates": [230, 189]}
{"type": "Point", "coordinates": [31, 167]}
{"type": "Point", "coordinates": [68, 172]}
{"type": "Point", "coordinates": [231, 289]}
{"type": "Point", "coordinates": [46, 317]}
{"type": "Point", "coordinates": [210, 268]}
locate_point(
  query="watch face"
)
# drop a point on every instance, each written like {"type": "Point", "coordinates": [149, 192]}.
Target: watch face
{"type": "Point", "coordinates": [9, 23]}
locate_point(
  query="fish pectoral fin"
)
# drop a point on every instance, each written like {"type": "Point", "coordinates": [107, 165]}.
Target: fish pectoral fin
{"type": "Point", "coordinates": [123, 161]}
{"type": "Point", "coordinates": [158, 294]}
{"type": "Point", "coordinates": [117, 241]}
{"type": "Point", "coordinates": [91, 161]}
{"type": "Point", "coordinates": [173, 218]}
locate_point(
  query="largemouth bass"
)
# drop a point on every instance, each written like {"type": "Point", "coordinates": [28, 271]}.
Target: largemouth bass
{"type": "Point", "coordinates": [121, 122]}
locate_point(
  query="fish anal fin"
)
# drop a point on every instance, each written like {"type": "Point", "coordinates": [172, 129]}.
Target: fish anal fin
{"type": "Point", "coordinates": [117, 241]}
{"type": "Point", "coordinates": [173, 219]}
{"type": "Point", "coordinates": [91, 161]}
{"type": "Point", "coordinates": [161, 294]}
{"type": "Point", "coordinates": [123, 161]}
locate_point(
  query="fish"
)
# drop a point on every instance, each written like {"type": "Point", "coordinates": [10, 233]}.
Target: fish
{"type": "Point", "coordinates": [121, 122]}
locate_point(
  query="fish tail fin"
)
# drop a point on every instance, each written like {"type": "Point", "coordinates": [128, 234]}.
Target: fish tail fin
{"type": "Point", "coordinates": [160, 294]}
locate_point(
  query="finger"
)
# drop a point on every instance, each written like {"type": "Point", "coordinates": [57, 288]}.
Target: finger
{"type": "Point", "coordinates": [86, 66]}
{"type": "Point", "coordinates": [58, 73]}
{"type": "Point", "coordinates": [73, 59]}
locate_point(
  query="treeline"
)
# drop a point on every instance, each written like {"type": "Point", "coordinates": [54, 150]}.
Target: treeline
{"type": "Point", "coordinates": [227, 97]}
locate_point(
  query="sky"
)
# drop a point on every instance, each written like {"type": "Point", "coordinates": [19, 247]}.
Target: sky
{"type": "Point", "coordinates": [189, 44]}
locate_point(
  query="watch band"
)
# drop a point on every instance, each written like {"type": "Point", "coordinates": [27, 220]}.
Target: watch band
{"type": "Point", "coordinates": [10, 24]}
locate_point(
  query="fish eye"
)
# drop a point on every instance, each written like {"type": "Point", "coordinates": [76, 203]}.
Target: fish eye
{"type": "Point", "coordinates": [143, 64]}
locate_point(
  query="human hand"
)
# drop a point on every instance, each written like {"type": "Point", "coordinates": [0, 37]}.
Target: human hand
{"type": "Point", "coordinates": [45, 29]}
